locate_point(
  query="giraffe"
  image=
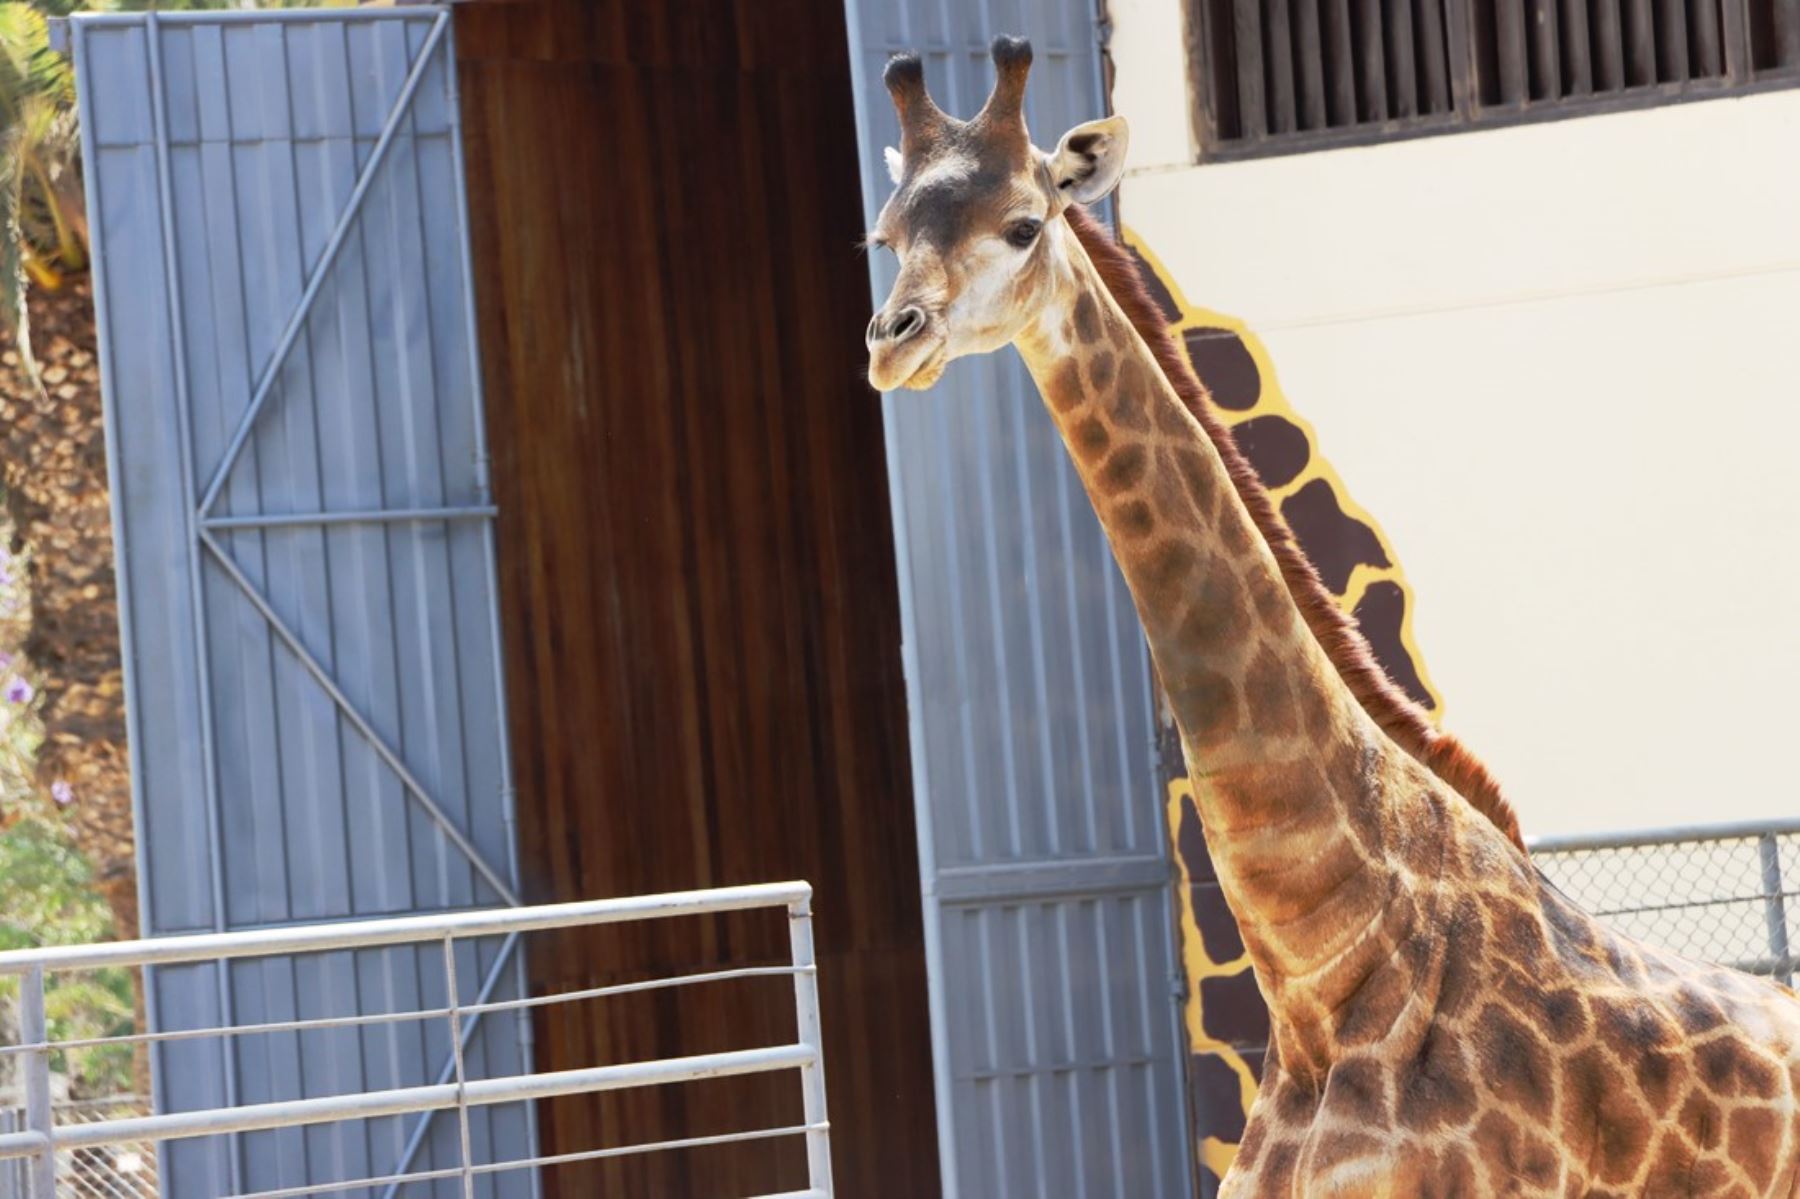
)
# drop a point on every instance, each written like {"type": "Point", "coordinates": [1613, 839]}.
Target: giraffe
{"type": "Point", "coordinates": [1442, 1020]}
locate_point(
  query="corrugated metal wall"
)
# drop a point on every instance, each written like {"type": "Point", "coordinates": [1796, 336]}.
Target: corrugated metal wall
{"type": "Point", "coordinates": [1042, 837]}
{"type": "Point", "coordinates": [223, 155]}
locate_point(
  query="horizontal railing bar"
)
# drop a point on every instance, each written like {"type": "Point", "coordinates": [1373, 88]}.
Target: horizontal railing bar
{"type": "Point", "coordinates": [519, 1163]}
{"type": "Point", "coordinates": [29, 1143]}
{"type": "Point", "coordinates": [260, 16]}
{"type": "Point", "coordinates": [652, 984]}
{"type": "Point", "coordinates": [473, 1009]}
{"type": "Point", "coordinates": [1731, 830]}
{"type": "Point", "coordinates": [367, 516]}
{"type": "Point", "coordinates": [319, 938]}
{"type": "Point", "coordinates": [479, 1092]}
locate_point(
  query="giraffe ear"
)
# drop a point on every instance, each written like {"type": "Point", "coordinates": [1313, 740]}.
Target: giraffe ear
{"type": "Point", "coordinates": [894, 164]}
{"type": "Point", "coordinates": [1089, 160]}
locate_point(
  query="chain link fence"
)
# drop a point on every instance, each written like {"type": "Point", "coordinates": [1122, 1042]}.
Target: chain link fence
{"type": "Point", "coordinates": [103, 1172]}
{"type": "Point", "coordinates": [1721, 893]}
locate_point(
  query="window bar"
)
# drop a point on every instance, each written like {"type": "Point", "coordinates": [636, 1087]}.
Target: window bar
{"type": "Point", "coordinates": [1577, 52]}
{"type": "Point", "coordinates": [1672, 40]}
{"type": "Point", "coordinates": [1787, 32]}
{"type": "Point", "coordinates": [1246, 25]}
{"type": "Point", "coordinates": [1459, 42]}
{"type": "Point", "coordinates": [1402, 59]}
{"type": "Point", "coordinates": [1703, 22]}
{"type": "Point", "coordinates": [1509, 50]}
{"type": "Point", "coordinates": [1373, 72]}
{"type": "Point", "coordinates": [1734, 18]}
{"type": "Point", "coordinates": [1278, 53]}
{"type": "Point", "coordinates": [1310, 53]}
{"type": "Point", "coordinates": [1545, 79]}
{"type": "Point", "coordinates": [1640, 44]}
{"type": "Point", "coordinates": [1339, 54]}
{"type": "Point", "coordinates": [1609, 46]}
{"type": "Point", "coordinates": [1431, 37]}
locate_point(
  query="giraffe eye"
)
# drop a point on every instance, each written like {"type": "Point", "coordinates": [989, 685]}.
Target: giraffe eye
{"type": "Point", "coordinates": [1024, 232]}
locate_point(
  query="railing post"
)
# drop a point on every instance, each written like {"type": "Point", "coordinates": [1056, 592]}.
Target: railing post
{"type": "Point", "coordinates": [1775, 906]}
{"type": "Point", "coordinates": [456, 1049]}
{"type": "Point", "coordinates": [812, 1077]}
{"type": "Point", "coordinates": [34, 1030]}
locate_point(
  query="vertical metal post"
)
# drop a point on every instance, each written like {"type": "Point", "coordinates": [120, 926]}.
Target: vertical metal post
{"type": "Point", "coordinates": [1775, 906]}
{"type": "Point", "coordinates": [34, 1032]}
{"type": "Point", "coordinates": [812, 1077]}
{"type": "Point", "coordinates": [456, 1049]}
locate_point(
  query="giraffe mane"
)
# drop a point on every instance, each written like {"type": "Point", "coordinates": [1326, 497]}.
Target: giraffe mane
{"type": "Point", "coordinates": [1337, 631]}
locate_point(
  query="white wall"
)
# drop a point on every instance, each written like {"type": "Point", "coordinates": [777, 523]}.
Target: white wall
{"type": "Point", "coordinates": [1560, 364]}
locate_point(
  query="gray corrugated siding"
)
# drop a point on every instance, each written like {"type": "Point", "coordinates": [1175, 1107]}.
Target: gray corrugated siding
{"type": "Point", "coordinates": [268, 124]}
{"type": "Point", "coordinates": [1043, 841]}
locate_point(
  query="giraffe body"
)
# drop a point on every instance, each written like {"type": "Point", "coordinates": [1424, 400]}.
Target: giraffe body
{"type": "Point", "coordinates": [1443, 1022]}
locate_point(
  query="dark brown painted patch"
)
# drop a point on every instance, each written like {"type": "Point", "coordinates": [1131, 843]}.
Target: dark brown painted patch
{"type": "Point", "coordinates": [1190, 842]}
{"type": "Point", "coordinates": [1218, 1106]}
{"type": "Point", "coordinates": [1336, 542]}
{"type": "Point", "coordinates": [1275, 446]}
{"type": "Point", "coordinates": [1381, 614]}
{"type": "Point", "coordinates": [1232, 1009]}
{"type": "Point", "coordinates": [1159, 291]}
{"type": "Point", "coordinates": [1219, 935]}
{"type": "Point", "coordinates": [1224, 364]}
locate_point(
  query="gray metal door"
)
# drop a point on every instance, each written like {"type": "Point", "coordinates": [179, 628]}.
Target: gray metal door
{"type": "Point", "coordinates": [306, 572]}
{"type": "Point", "coordinates": [1042, 838]}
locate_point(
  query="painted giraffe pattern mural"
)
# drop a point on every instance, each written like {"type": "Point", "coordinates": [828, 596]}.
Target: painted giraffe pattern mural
{"type": "Point", "coordinates": [1226, 1020]}
{"type": "Point", "coordinates": [1441, 1020]}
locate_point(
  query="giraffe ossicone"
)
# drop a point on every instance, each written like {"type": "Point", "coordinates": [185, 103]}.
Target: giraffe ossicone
{"type": "Point", "coordinates": [1442, 1020]}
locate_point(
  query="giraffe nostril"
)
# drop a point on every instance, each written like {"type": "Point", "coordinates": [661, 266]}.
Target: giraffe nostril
{"type": "Point", "coordinates": [873, 333]}
{"type": "Point", "coordinates": [906, 323]}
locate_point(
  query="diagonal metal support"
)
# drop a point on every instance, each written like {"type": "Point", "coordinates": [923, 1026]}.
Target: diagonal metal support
{"type": "Point", "coordinates": [340, 233]}
{"type": "Point", "coordinates": [360, 722]}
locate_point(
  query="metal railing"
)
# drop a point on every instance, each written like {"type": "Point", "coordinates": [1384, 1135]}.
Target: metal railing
{"type": "Point", "coordinates": [1718, 892]}
{"type": "Point", "coordinates": [124, 1170]}
{"type": "Point", "coordinates": [49, 1132]}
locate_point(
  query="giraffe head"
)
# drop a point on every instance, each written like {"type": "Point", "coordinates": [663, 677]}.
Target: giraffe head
{"type": "Point", "coordinates": [973, 219]}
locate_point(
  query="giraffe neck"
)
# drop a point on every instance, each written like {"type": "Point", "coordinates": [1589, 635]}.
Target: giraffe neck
{"type": "Point", "coordinates": [1293, 781]}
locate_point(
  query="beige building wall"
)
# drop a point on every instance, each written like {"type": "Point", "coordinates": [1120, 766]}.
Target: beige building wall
{"type": "Point", "coordinates": [1560, 365]}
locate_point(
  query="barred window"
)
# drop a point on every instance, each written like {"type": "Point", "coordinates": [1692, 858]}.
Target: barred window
{"type": "Point", "coordinates": [1278, 76]}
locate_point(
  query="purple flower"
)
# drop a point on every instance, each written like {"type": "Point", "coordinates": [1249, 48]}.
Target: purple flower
{"type": "Point", "coordinates": [18, 691]}
{"type": "Point", "coordinates": [62, 793]}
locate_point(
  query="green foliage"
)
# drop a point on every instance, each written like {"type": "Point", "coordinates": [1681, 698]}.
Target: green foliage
{"type": "Point", "coordinates": [47, 897]}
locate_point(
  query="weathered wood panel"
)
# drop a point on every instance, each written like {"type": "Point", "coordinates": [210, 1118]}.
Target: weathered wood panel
{"type": "Point", "coordinates": [697, 561]}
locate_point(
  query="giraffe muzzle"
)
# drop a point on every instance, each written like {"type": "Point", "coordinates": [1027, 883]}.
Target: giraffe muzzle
{"type": "Point", "coordinates": [902, 348]}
